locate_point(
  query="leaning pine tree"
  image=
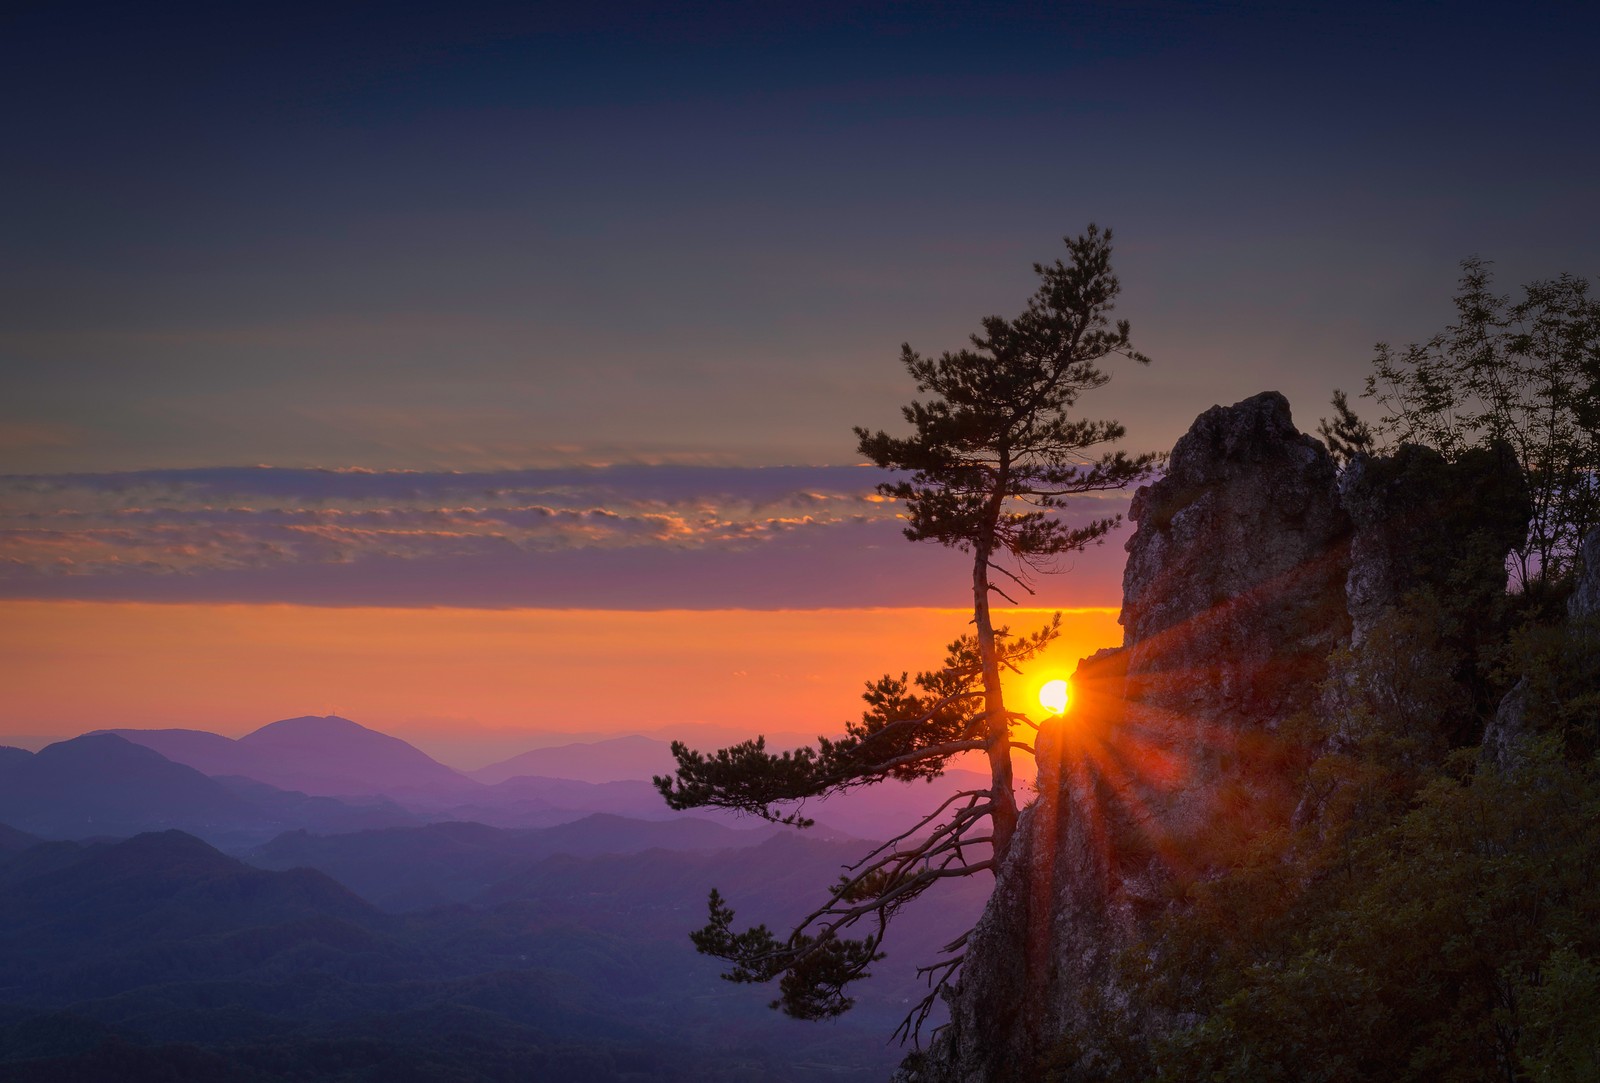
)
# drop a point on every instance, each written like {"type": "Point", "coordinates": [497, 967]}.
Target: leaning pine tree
{"type": "Point", "coordinates": [991, 455]}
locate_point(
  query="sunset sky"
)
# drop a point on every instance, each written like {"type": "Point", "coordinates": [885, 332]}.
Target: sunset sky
{"type": "Point", "coordinates": [486, 373]}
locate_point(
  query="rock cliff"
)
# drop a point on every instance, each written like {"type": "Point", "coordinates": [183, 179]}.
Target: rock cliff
{"type": "Point", "coordinates": [1250, 569]}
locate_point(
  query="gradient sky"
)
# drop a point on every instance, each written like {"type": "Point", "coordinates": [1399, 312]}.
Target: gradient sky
{"type": "Point", "coordinates": [569, 309]}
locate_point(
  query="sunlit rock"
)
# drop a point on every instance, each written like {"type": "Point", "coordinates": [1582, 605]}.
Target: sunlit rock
{"type": "Point", "coordinates": [1254, 569]}
{"type": "Point", "coordinates": [1232, 599]}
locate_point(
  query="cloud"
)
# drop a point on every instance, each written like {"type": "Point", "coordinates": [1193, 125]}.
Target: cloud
{"type": "Point", "coordinates": [617, 537]}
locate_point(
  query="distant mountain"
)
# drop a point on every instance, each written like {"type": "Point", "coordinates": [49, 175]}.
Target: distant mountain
{"type": "Point", "coordinates": [318, 758]}
{"type": "Point", "coordinates": [324, 815]}
{"type": "Point", "coordinates": [39, 859]}
{"type": "Point", "coordinates": [333, 755]}
{"type": "Point", "coordinates": [779, 880]}
{"type": "Point", "coordinates": [101, 784]}
{"type": "Point", "coordinates": [616, 760]}
{"type": "Point", "coordinates": [13, 841]}
{"type": "Point", "coordinates": [129, 898]}
{"type": "Point", "coordinates": [535, 780]}
{"type": "Point", "coordinates": [321, 756]}
{"type": "Point", "coordinates": [413, 868]}
{"type": "Point", "coordinates": [33, 742]}
{"type": "Point", "coordinates": [657, 894]}
{"type": "Point", "coordinates": [208, 753]}
{"type": "Point", "coordinates": [159, 958]}
{"type": "Point", "coordinates": [607, 834]}
{"type": "Point", "coordinates": [155, 887]}
{"type": "Point", "coordinates": [530, 796]}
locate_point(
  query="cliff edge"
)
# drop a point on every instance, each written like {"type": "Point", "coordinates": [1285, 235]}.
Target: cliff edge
{"type": "Point", "coordinates": [1255, 568]}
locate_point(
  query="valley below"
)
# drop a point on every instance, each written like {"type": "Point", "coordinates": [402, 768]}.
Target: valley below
{"type": "Point", "coordinates": [318, 900]}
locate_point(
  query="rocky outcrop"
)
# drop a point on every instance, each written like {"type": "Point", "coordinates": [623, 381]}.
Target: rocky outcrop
{"type": "Point", "coordinates": [1248, 567]}
{"type": "Point", "coordinates": [1233, 592]}
{"type": "Point", "coordinates": [1427, 583]}
{"type": "Point", "coordinates": [1233, 597]}
{"type": "Point", "coordinates": [1420, 520]}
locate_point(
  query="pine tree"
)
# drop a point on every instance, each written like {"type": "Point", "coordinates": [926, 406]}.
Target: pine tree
{"type": "Point", "coordinates": [992, 455]}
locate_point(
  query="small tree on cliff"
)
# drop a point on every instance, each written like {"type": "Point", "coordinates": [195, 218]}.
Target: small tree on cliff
{"type": "Point", "coordinates": [991, 456]}
{"type": "Point", "coordinates": [1521, 373]}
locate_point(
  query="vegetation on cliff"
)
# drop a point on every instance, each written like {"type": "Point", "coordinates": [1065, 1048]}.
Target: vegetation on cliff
{"type": "Point", "coordinates": [1436, 922]}
{"type": "Point", "coordinates": [1431, 911]}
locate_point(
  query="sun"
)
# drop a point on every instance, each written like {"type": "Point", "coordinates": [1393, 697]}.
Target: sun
{"type": "Point", "coordinates": [1053, 696]}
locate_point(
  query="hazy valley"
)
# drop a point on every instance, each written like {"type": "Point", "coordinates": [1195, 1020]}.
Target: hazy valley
{"type": "Point", "coordinates": [320, 899]}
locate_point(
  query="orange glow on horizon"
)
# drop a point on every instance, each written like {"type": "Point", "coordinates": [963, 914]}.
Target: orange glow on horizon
{"type": "Point", "coordinates": [455, 678]}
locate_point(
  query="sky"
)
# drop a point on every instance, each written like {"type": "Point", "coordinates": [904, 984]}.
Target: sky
{"type": "Point", "coordinates": [340, 341]}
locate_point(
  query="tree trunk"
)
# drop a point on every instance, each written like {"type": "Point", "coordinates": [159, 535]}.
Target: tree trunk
{"type": "Point", "coordinates": [997, 726]}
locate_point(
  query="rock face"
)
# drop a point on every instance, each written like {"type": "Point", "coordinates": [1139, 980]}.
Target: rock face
{"type": "Point", "coordinates": [1420, 520]}
{"type": "Point", "coordinates": [1248, 568]}
{"type": "Point", "coordinates": [1232, 599]}
{"type": "Point", "coordinates": [1233, 593]}
{"type": "Point", "coordinates": [1584, 604]}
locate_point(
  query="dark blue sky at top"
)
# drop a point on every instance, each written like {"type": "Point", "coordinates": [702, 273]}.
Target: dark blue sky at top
{"type": "Point", "coordinates": [485, 236]}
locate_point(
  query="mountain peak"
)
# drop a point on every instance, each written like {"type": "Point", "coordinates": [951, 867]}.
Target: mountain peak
{"type": "Point", "coordinates": [152, 851]}
{"type": "Point", "coordinates": [311, 725]}
{"type": "Point", "coordinates": [327, 754]}
{"type": "Point", "coordinates": [99, 746]}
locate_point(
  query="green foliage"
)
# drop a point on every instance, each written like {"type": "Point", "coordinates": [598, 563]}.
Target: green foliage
{"type": "Point", "coordinates": [1406, 957]}
{"type": "Point", "coordinates": [902, 735]}
{"type": "Point", "coordinates": [996, 429]}
{"type": "Point", "coordinates": [1561, 1019]}
{"type": "Point", "coordinates": [1345, 433]}
{"type": "Point", "coordinates": [1561, 683]}
{"type": "Point", "coordinates": [1402, 688]}
{"type": "Point", "coordinates": [1426, 916]}
{"type": "Point", "coordinates": [1525, 373]}
{"type": "Point", "coordinates": [814, 969]}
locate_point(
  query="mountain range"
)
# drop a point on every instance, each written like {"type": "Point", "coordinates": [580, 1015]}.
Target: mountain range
{"type": "Point", "coordinates": [321, 756]}
{"type": "Point", "coordinates": [614, 760]}
{"type": "Point", "coordinates": [319, 900]}
{"type": "Point", "coordinates": [159, 957]}
{"type": "Point", "coordinates": [332, 775]}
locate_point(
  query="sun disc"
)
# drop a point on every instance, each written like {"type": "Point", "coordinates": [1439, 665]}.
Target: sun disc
{"type": "Point", "coordinates": [1053, 696]}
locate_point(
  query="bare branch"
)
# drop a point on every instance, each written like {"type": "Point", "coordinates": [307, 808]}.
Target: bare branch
{"type": "Point", "coordinates": [914, 828]}
{"type": "Point", "coordinates": [949, 748]}
{"type": "Point", "coordinates": [1007, 572]}
{"type": "Point", "coordinates": [1003, 594]}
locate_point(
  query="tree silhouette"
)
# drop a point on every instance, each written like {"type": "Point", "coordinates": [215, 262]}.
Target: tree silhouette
{"type": "Point", "coordinates": [991, 456]}
{"type": "Point", "coordinates": [1524, 373]}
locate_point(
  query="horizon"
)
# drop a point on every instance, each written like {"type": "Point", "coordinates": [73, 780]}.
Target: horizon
{"type": "Point", "coordinates": [393, 335]}
{"type": "Point", "coordinates": [416, 421]}
{"type": "Point", "coordinates": [702, 689]}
